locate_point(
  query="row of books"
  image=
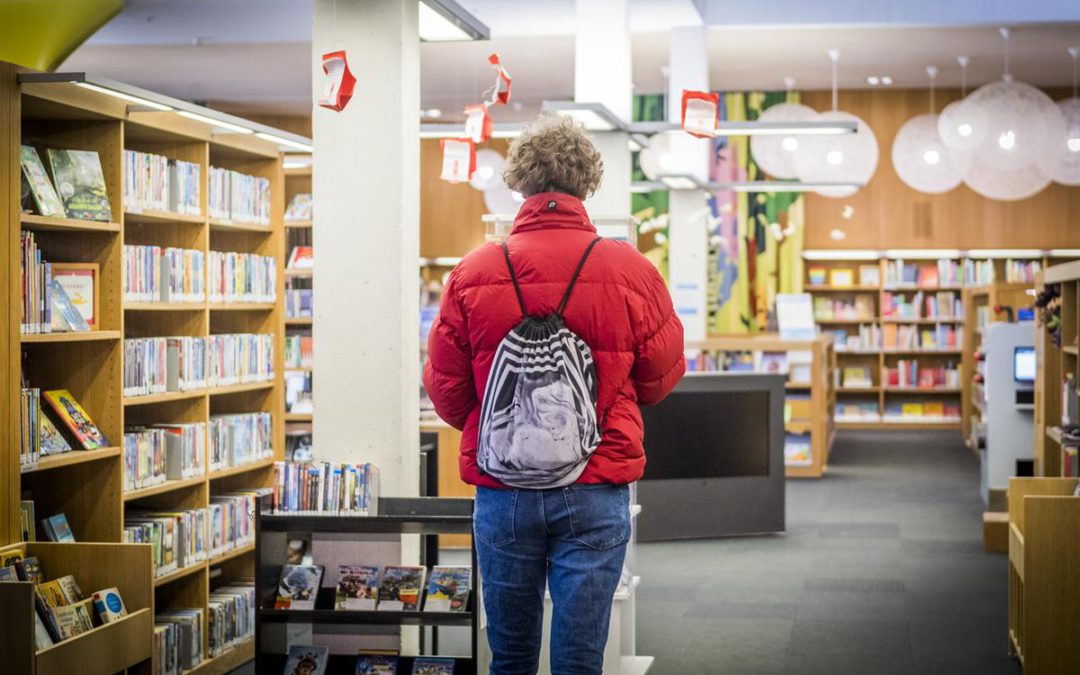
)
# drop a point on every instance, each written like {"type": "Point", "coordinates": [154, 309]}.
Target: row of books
{"type": "Point", "coordinates": [178, 641]}
{"type": "Point", "coordinates": [313, 660]}
{"type": "Point", "coordinates": [298, 303]}
{"type": "Point", "coordinates": [239, 439]}
{"type": "Point", "coordinates": [855, 377]}
{"type": "Point", "coordinates": [153, 455]}
{"type": "Point", "coordinates": [230, 616]}
{"type": "Point", "coordinates": [857, 411]}
{"type": "Point", "coordinates": [321, 487]}
{"type": "Point", "coordinates": [157, 274]}
{"type": "Point", "coordinates": [40, 425]}
{"type": "Point", "coordinates": [56, 297]}
{"type": "Point", "coordinates": [909, 337]}
{"type": "Point", "coordinates": [368, 587]}
{"type": "Point", "coordinates": [859, 308]}
{"type": "Point", "coordinates": [36, 315]}
{"type": "Point", "coordinates": [908, 374]}
{"type": "Point", "coordinates": [241, 277]}
{"type": "Point", "coordinates": [84, 196]}
{"type": "Point", "coordinates": [62, 610]}
{"type": "Point", "coordinates": [299, 208]}
{"type": "Point", "coordinates": [179, 537]}
{"type": "Point", "coordinates": [942, 305]}
{"type": "Point", "coordinates": [867, 338]}
{"type": "Point", "coordinates": [155, 182]}
{"type": "Point", "coordinates": [299, 351]}
{"type": "Point", "coordinates": [238, 197]}
{"type": "Point", "coordinates": [979, 272]}
{"type": "Point", "coordinates": [982, 272]}
{"type": "Point", "coordinates": [844, 277]}
{"type": "Point", "coordinates": [184, 363]}
{"type": "Point", "coordinates": [926, 411]}
{"type": "Point", "coordinates": [232, 520]}
{"type": "Point", "coordinates": [928, 274]}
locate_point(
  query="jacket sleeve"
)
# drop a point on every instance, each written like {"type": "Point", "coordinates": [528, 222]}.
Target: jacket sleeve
{"type": "Point", "coordinates": [659, 362]}
{"type": "Point", "coordinates": [448, 376]}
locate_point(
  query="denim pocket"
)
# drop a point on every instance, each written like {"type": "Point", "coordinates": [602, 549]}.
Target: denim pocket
{"type": "Point", "coordinates": [493, 516]}
{"type": "Point", "coordinates": [599, 514]}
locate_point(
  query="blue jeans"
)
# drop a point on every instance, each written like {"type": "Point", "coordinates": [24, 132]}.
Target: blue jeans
{"type": "Point", "coordinates": [574, 539]}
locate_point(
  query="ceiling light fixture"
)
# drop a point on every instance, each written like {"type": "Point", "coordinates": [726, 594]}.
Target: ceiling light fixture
{"type": "Point", "coordinates": [447, 21]}
{"type": "Point", "coordinates": [1004, 253]}
{"type": "Point", "coordinates": [121, 95]}
{"type": "Point", "coordinates": [873, 80]}
{"type": "Point", "coordinates": [886, 80]}
{"type": "Point", "coordinates": [295, 145]}
{"type": "Point", "coordinates": [594, 116]}
{"type": "Point", "coordinates": [920, 157]}
{"type": "Point", "coordinates": [221, 124]}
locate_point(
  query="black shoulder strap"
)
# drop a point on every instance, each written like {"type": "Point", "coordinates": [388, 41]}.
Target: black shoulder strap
{"type": "Point", "coordinates": [573, 279]}
{"type": "Point", "coordinates": [513, 277]}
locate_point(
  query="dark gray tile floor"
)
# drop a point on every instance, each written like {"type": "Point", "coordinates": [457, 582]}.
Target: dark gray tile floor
{"type": "Point", "coordinates": [881, 571]}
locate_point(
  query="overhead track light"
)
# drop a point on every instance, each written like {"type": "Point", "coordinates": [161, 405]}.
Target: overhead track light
{"type": "Point", "coordinates": [214, 123]}
{"type": "Point", "coordinates": [447, 21]}
{"type": "Point", "coordinates": [594, 116]}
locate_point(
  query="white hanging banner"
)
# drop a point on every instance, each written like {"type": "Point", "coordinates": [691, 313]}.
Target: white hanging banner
{"type": "Point", "coordinates": [458, 159]}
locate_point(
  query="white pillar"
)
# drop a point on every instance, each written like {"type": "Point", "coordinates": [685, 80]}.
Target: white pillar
{"type": "Point", "coordinates": [688, 68]}
{"type": "Point", "coordinates": [603, 74]}
{"type": "Point", "coordinates": [366, 233]}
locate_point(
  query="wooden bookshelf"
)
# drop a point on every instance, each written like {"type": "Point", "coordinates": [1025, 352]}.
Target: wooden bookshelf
{"type": "Point", "coordinates": [813, 416]}
{"type": "Point", "coordinates": [1044, 578]}
{"type": "Point", "coordinates": [299, 233]}
{"type": "Point", "coordinates": [1056, 360]}
{"type": "Point", "coordinates": [91, 364]}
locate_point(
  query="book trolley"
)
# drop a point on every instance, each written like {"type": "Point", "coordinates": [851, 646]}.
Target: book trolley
{"type": "Point", "coordinates": [397, 516]}
{"type": "Point", "coordinates": [88, 485]}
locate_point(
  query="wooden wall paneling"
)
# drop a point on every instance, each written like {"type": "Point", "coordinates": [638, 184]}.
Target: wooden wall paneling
{"type": "Point", "coordinates": [10, 288]}
{"type": "Point", "coordinates": [889, 214]}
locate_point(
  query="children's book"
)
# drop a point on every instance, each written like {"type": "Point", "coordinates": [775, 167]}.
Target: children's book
{"type": "Point", "coordinates": [357, 587]}
{"type": "Point", "coordinates": [432, 666]}
{"type": "Point", "coordinates": [108, 605]}
{"type": "Point", "coordinates": [29, 569]}
{"type": "Point", "coordinates": [376, 664]}
{"type": "Point", "coordinates": [66, 317]}
{"type": "Point", "coordinates": [77, 421]}
{"type": "Point", "coordinates": [299, 207]}
{"type": "Point", "coordinates": [9, 558]}
{"type": "Point", "coordinates": [400, 588]}
{"type": "Point", "coordinates": [71, 590]}
{"type": "Point", "coordinates": [57, 529]}
{"type": "Point", "coordinates": [81, 184]}
{"type": "Point", "coordinates": [52, 441]}
{"type": "Point", "coordinates": [72, 620]}
{"type": "Point", "coordinates": [298, 587]}
{"type": "Point", "coordinates": [448, 590]}
{"type": "Point", "coordinates": [41, 188]}
{"type": "Point", "coordinates": [307, 660]}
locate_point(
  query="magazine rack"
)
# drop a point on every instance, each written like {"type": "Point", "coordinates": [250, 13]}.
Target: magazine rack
{"type": "Point", "coordinates": [276, 629]}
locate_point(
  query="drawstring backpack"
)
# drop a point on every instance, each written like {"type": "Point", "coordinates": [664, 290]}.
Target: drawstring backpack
{"type": "Point", "coordinates": [538, 423]}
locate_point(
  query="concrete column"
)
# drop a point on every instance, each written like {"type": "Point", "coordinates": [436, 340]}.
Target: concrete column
{"type": "Point", "coordinates": [688, 68]}
{"type": "Point", "coordinates": [366, 234]}
{"type": "Point", "coordinates": [602, 74]}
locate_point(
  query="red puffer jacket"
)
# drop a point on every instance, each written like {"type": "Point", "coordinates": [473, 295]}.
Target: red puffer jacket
{"type": "Point", "coordinates": [620, 307]}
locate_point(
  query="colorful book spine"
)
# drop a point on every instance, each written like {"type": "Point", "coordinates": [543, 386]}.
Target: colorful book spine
{"type": "Point", "coordinates": [236, 440]}
{"type": "Point", "coordinates": [325, 488]}
{"type": "Point", "coordinates": [241, 277]}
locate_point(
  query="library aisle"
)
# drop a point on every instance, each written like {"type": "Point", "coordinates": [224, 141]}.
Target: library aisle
{"type": "Point", "coordinates": [881, 571]}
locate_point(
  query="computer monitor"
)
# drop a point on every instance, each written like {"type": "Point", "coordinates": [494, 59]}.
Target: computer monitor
{"type": "Point", "coordinates": [1024, 364]}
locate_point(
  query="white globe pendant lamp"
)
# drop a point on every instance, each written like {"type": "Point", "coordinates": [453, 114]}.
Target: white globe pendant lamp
{"type": "Point", "coordinates": [919, 156]}
{"type": "Point", "coordinates": [775, 155]}
{"type": "Point", "coordinates": [841, 158]}
{"type": "Point", "coordinates": [1067, 169]}
{"type": "Point", "coordinates": [489, 168]}
{"type": "Point", "coordinates": [657, 158]}
{"type": "Point", "coordinates": [961, 125]}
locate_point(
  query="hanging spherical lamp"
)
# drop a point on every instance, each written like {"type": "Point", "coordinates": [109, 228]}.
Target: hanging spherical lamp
{"type": "Point", "coordinates": [657, 158]}
{"type": "Point", "coordinates": [1003, 184]}
{"type": "Point", "coordinates": [489, 168]}
{"type": "Point", "coordinates": [1023, 125]}
{"type": "Point", "coordinates": [776, 154]}
{"type": "Point", "coordinates": [499, 200]}
{"type": "Point", "coordinates": [841, 158]}
{"type": "Point", "coordinates": [919, 156]}
{"type": "Point", "coordinates": [1067, 164]}
{"type": "Point", "coordinates": [961, 125]}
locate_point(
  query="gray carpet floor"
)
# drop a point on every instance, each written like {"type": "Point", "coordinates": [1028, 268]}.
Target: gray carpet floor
{"type": "Point", "coordinates": [881, 572]}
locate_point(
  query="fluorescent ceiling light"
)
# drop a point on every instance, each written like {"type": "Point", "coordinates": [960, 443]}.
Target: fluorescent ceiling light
{"type": "Point", "coordinates": [680, 182]}
{"type": "Point", "coordinates": [840, 254]}
{"type": "Point", "coordinates": [444, 130]}
{"type": "Point", "coordinates": [1004, 253]}
{"type": "Point", "coordinates": [922, 253]}
{"type": "Point", "coordinates": [593, 116]}
{"type": "Point", "coordinates": [447, 21]}
{"type": "Point", "coordinates": [121, 95]}
{"type": "Point", "coordinates": [213, 122]}
{"type": "Point", "coordinates": [1064, 252]}
{"type": "Point", "coordinates": [295, 145]}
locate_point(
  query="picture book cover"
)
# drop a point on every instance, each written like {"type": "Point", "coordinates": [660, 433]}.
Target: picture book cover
{"type": "Point", "coordinates": [9, 558]}
{"type": "Point", "coordinates": [41, 188]}
{"type": "Point", "coordinates": [52, 441]}
{"type": "Point", "coordinates": [400, 588]}
{"type": "Point", "coordinates": [299, 207]}
{"type": "Point", "coordinates": [307, 660]}
{"type": "Point", "coordinates": [50, 594]}
{"type": "Point", "coordinates": [302, 258]}
{"type": "Point", "coordinates": [448, 590]}
{"type": "Point", "coordinates": [817, 276]}
{"type": "Point", "coordinates": [71, 590]}
{"type": "Point", "coordinates": [42, 639]}
{"type": "Point", "coordinates": [66, 317]}
{"type": "Point", "coordinates": [57, 529]}
{"type": "Point", "coordinates": [72, 620]}
{"type": "Point", "coordinates": [29, 569]}
{"type": "Point", "coordinates": [108, 605]}
{"type": "Point", "coordinates": [298, 587]}
{"type": "Point", "coordinates": [9, 574]}
{"type": "Point", "coordinates": [357, 588]}
{"type": "Point", "coordinates": [841, 278]}
{"type": "Point", "coordinates": [78, 422]}
{"type": "Point", "coordinates": [81, 184]}
{"type": "Point", "coordinates": [432, 666]}
{"type": "Point", "coordinates": [79, 281]}
{"type": "Point", "coordinates": [376, 664]}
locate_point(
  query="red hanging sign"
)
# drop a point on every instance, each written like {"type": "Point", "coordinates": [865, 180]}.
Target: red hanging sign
{"type": "Point", "coordinates": [700, 113]}
{"type": "Point", "coordinates": [478, 124]}
{"type": "Point", "coordinates": [458, 159]}
{"type": "Point", "coordinates": [339, 81]}
{"type": "Point", "coordinates": [500, 91]}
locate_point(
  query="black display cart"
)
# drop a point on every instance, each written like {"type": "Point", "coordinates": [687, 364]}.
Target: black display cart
{"type": "Point", "coordinates": [396, 515]}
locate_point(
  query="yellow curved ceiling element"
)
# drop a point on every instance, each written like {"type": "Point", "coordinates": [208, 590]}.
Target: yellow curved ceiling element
{"type": "Point", "coordinates": [41, 34]}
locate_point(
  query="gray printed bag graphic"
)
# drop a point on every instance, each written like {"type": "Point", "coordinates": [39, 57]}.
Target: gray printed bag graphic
{"type": "Point", "coordinates": [538, 424]}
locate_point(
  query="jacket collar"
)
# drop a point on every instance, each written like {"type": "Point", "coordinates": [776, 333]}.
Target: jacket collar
{"type": "Point", "coordinates": [552, 210]}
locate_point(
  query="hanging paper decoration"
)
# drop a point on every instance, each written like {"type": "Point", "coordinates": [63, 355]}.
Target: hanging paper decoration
{"type": "Point", "coordinates": [500, 91]}
{"type": "Point", "coordinates": [339, 81]}
{"type": "Point", "coordinates": [458, 159]}
{"type": "Point", "coordinates": [700, 113]}
{"type": "Point", "coordinates": [478, 124]}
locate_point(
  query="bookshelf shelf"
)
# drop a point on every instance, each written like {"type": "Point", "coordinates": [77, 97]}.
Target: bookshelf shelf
{"type": "Point", "coordinates": [181, 573]}
{"type": "Point", "coordinates": [229, 555]}
{"type": "Point", "coordinates": [226, 226]}
{"type": "Point", "coordinates": [243, 468]}
{"type": "Point", "coordinates": [922, 390]}
{"type": "Point", "coordinates": [848, 320]}
{"type": "Point", "coordinates": [298, 321]}
{"type": "Point", "coordinates": [300, 274]}
{"type": "Point", "coordinates": [298, 224]}
{"type": "Point", "coordinates": [928, 352]}
{"type": "Point", "coordinates": [240, 388]}
{"type": "Point", "coordinates": [916, 289]}
{"type": "Point", "coordinates": [166, 397]}
{"type": "Point", "coordinates": [161, 217]}
{"type": "Point", "coordinates": [1071, 349]}
{"type": "Point", "coordinates": [241, 306]}
{"type": "Point", "coordinates": [81, 336]}
{"type": "Point", "coordinates": [843, 289]}
{"type": "Point", "coordinates": [45, 224]}
{"type": "Point", "coordinates": [227, 661]}
{"type": "Point", "coordinates": [164, 306]}
{"type": "Point", "coordinates": [70, 458]}
{"type": "Point", "coordinates": [924, 322]}
{"type": "Point", "coordinates": [297, 417]}
{"type": "Point", "coordinates": [372, 618]}
{"type": "Point", "coordinates": [857, 390]}
{"type": "Point", "coordinates": [163, 488]}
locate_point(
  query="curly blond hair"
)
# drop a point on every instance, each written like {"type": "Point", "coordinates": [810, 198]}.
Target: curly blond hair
{"type": "Point", "coordinates": [553, 154]}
